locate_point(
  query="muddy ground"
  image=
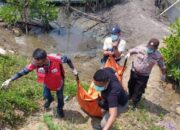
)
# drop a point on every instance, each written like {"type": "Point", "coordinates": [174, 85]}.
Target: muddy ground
{"type": "Point", "coordinates": [139, 23]}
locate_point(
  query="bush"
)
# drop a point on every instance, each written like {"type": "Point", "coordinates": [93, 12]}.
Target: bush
{"type": "Point", "coordinates": [171, 53]}
{"type": "Point", "coordinates": [27, 10]}
{"type": "Point", "coordinates": [9, 14]}
{"type": "Point", "coordinates": [20, 100]}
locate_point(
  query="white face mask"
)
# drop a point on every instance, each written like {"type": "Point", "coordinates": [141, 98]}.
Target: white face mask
{"type": "Point", "coordinates": [101, 88]}
{"type": "Point", "coordinates": [150, 51]}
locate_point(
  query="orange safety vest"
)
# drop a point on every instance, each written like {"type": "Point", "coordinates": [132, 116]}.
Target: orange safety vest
{"type": "Point", "coordinates": [53, 79]}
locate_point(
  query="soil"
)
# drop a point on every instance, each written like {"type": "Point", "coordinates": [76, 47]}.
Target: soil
{"type": "Point", "coordinates": [138, 21]}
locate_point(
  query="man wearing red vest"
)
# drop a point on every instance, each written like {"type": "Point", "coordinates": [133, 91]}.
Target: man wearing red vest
{"type": "Point", "coordinates": [50, 73]}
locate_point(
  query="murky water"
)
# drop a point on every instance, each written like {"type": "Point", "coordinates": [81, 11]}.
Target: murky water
{"type": "Point", "coordinates": [66, 39]}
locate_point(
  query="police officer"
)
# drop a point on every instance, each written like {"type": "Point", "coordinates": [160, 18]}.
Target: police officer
{"type": "Point", "coordinates": [147, 56]}
{"type": "Point", "coordinates": [50, 73]}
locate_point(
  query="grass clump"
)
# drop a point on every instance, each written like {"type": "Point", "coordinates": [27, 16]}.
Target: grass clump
{"type": "Point", "coordinates": [20, 99]}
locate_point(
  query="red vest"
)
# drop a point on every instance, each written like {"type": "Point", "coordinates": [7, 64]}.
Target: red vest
{"type": "Point", "coordinates": [54, 75]}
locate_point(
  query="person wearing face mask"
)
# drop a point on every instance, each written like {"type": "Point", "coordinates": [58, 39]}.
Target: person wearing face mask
{"type": "Point", "coordinates": [114, 45]}
{"type": "Point", "coordinates": [147, 56]}
{"type": "Point", "coordinates": [113, 99]}
{"type": "Point", "coordinates": [50, 73]}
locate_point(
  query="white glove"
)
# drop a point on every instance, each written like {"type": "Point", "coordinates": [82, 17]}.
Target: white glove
{"type": "Point", "coordinates": [163, 77]}
{"type": "Point", "coordinates": [6, 84]}
{"type": "Point", "coordinates": [127, 56]}
{"type": "Point", "coordinates": [75, 72]}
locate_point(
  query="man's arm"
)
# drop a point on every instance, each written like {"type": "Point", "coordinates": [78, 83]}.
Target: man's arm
{"type": "Point", "coordinates": [65, 59]}
{"type": "Point", "coordinates": [19, 74]}
{"type": "Point", "coordinates": [112, 117]}
{"type": "Point", "coordinates": [132, 52]}
{"type": "Point", "coordinates": [107, 53]}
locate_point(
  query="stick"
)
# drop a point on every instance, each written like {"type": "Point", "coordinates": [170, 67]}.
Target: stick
{"type": "Point", "coordinates": [90, 27]}
{"type": "Point", "coordinates": [89, 16]}
{"type": "Point", "coordinates": [169, 7]}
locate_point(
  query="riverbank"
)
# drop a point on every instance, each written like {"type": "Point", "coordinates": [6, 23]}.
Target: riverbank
{"type": "Point", "coordinates": [159, 107]}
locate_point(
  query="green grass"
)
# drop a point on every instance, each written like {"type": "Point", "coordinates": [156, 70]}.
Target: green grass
{"type": "Point", "coordinates": [20, 99]}
{"type": "Point", "coordinates": [23, 94]}
{"type": "Point", "coordinates": [141, 119]}
{"type": "Point", "coordinates": [49, 122]}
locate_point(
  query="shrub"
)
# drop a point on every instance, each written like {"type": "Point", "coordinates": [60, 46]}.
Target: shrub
{"type": "Point", "coordinates": [171, 53]}
{"type": "Point", "coordinates": [20, 100]}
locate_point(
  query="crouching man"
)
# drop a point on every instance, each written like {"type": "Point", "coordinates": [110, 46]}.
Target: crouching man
{"type": "Point", "coordinates": [114, 99]}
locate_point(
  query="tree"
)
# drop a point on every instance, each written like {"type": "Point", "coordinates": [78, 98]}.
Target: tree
{"type": "Point", "coordinates": [27, 10]}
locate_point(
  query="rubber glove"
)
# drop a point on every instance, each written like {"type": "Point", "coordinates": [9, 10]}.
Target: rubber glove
{"type": "Point", "coordinates": [75, 72]}
{"type": "Point", "coordinates": [6, 84]}
{"type": "Point", "coordinates": [127, 56]}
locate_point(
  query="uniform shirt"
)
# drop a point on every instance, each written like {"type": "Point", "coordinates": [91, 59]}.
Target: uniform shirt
{"type": "Point", "coordinates": [144, 62]}
{"type": "Point", "coordinates": [114, 95]}
{"type": "Point", "coordinates": [32, 66]}
{"type": "Point", "coordinates": [108, 45]}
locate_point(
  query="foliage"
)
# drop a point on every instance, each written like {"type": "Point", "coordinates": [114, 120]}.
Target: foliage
{"type": "Point", "coordinates": [44, 11]}
{"type": "Point", "coordinates": [9, 14]}
{"type": "Point", "coordinates": [26, 10]}
{"type": "Point", "coordinates": [20, 100]}
{"type": "Point", "coordinates": [49, 122]}
{"type": "Point", "coordinates": [171, 52]}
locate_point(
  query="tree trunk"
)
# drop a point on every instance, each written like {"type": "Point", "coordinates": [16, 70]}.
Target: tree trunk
{"type": "Point", "coordinates": [25, 19]}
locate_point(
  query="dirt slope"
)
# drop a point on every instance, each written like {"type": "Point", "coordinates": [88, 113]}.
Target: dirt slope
{"type": "Point", "coordinates": [138, 22]}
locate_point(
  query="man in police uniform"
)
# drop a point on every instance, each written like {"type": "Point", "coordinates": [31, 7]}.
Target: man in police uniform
{"type": "Point", "coordinates": [147, 56]}
{"type": "Point", "coordinates": [50, 73]}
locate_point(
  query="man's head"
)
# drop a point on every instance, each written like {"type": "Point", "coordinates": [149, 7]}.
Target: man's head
{"type": "Point", "coordinates": [116, 30]}
{"type": "Point", "coordinates": [39, 56]}
{"type": "Point", "coordinates": [152, 45]}
{"type": "Point", "coordinates": [115, 34]}
{"type": "Point", "coordinates": [101, 80]}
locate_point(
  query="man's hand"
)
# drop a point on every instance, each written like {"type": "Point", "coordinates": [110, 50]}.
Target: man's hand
{"type": "Point", "coordinates": [6, 84]}
{"type": "Point", "coordinates": [163, 77]}
{"type": "Point", "coordinates": [75, 72]}
{"type": "Point", "coordinates": [127, 56]}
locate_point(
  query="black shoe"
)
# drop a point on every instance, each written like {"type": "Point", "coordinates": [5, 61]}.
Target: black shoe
{"type": "Point", "coordinates": [129, 97]}
{"type": "Point", "coordinates": [60, 113]}
{"type": "Point", "coordinates": [134, 106]}
{"type": "Point", "coordinates": [48, 103]}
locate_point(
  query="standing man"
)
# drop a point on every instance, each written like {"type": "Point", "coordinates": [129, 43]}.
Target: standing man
{"type": "Point", "coordinates": [147, 57]}
{"type": "Point", "coordinates": [114, 98]}
{"type": "Point", "coordinates": [114, 45]}
{"type": "Point", "coordinates": [50, 73]}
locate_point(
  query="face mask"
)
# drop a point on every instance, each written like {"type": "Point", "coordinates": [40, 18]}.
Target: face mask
{"type": "Point", "coordinates": [149, 51]}
{"type": "Point", "coordinates": [99, 88]}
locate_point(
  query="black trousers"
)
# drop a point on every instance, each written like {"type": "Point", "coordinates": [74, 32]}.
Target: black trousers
{"type": "Point", "coordinates": [136, 85]}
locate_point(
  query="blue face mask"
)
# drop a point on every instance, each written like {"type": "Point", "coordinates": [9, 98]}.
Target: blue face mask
{"type": "Point", "coordinates": [99, 88]}
{"type": "Point", "coordinates": [149, 50]}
